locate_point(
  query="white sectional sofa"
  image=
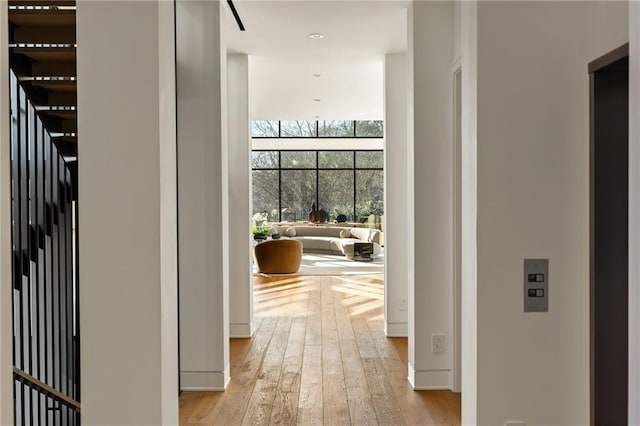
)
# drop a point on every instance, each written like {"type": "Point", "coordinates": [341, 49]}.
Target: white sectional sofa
{"type": "Point", "coordinates": [330, 239]}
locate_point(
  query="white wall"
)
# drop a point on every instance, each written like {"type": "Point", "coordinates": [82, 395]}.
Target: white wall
{"type": "Point", "coordinates": [239, 207]}
{"type": "Point", "coordinates": [634, 213]}
{"type": "Point", "coordinates": [203, 195]}
{"type": "Point", "coordinates": [6, 320]}
{"type": "Point", "coordinates": [128, 282]}
{"type": "Point", "coordinates": [532, 198]}
{"type": "Point", "coordinates": [430, 41]}
{"type": "Point", "coordinates": [395, 192]}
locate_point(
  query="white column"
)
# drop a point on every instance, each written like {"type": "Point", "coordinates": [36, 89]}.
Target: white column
{"type": "Point", "coordinates": [127, 212]}
{"type": "Point", "coordinates": [634, 213]}
{"type": "Point", "coordinates": [430, 43]}
{"type": "Point", "coordinates": [203, 195]}
{"type": "Point", "coordinates": [469, 355]}
{"type": "Point", "coordinates": [395, 192]}
{"type": "Point", "coordinates": [6, 321]}
{"type": "Point", "coordinates": [239, 208]}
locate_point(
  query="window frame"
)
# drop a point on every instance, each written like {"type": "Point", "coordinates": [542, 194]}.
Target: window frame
{"type": "Point", "coordinates": [317, 169]}
{"type": "Point", "coordinates": [316, 136]}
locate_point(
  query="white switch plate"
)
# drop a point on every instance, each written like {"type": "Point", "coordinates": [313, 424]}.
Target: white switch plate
{"type": "Point", "coordinates": [437, 343]}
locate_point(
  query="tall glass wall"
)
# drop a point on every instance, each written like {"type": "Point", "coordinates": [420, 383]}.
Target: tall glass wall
{"type": "Point", "coordinates": [349, 183]}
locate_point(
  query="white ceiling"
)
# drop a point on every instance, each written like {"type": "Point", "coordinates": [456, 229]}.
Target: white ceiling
{"type": "Point", "coordinates": [349, 59]}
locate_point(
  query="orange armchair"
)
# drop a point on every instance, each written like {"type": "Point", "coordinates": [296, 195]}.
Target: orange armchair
{"type": "Point", "coordinates": [278, 256]}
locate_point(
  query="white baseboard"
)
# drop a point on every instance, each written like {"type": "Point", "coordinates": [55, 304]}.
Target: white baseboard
{"type": "Point", "coordinates": [204, 380]}
{"type": "Point", "coordinates": [430, 379]}
{"type": "Point", "coordinates": [396, 329]}
{"type": "Point", "coordinates": [242, 330]}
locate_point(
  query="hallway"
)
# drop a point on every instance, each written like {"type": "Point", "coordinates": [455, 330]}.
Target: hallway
{"type": "Point", "coordinates": [317, 339]}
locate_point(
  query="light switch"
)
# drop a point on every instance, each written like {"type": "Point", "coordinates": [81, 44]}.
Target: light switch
{"type": "Point", "coordinates": [536, 285]}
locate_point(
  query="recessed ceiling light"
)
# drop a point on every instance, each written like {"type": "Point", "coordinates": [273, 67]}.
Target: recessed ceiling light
{"type": "Point", "coordinates": [316, 36]}
{"type": "Point", "coordinates": [317, 100]}
{"type": "Point", "coordinates": [315, 75]}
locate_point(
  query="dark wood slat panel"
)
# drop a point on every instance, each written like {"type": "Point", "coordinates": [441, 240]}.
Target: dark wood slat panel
{"type": "Point", "coordinates": [69, 126]}
{"type": "Point", "coordinates": [42, 2]}
{"type": "Point", "coordinates": [43, 18]}
{"type": "Point", "coordinates": [61, 54]}
{"type": "Point", "coordinates": [45, 34]}
{"type": "Point", "coordinates": [52, 68]}
{"type": "Point", "coordinates": [65, 115]}
{"type": "Point", "coordinates": [67, 147]}
{"type": "Point", "coordinates": [62, 98]}
{"type": "Point", "coordinates": [58, 86]}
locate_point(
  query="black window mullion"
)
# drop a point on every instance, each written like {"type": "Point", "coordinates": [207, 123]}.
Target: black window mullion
{"type": "Point", "coordinates": [317, 181]}
{"type": "Point", "coordinates": [355, 184]}
{"type": "Point", "coordinates": [279, 182]}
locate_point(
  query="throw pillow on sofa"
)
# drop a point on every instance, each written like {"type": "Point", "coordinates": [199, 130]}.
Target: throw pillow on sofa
{"type": "Point", "coordinates": [345, 233]}
{"type": "Point", "coordinates": [290, 232]}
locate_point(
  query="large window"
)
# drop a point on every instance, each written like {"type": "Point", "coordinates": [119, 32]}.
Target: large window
{"type": "Point", "coordinates": [317, 129]}
{"type": "Point", "coordinates": [349, 183]}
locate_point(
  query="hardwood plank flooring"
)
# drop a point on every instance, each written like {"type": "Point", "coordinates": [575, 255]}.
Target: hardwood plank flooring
{"type": "Point", "coordinates": [319, 357]}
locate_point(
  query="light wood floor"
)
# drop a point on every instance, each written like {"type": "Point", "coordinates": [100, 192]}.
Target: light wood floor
{"type": "Point", "coordinates": [319, 356]}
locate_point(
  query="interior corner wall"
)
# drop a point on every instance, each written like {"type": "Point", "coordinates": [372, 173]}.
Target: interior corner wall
{"type": "Point", "coordinates": [202, 195]}
{"type": "Point", "coordinates": [430, 50]}
{"type": "Point", "coordinates": [533, 202]}
{"type": "Point", "coordinates": [6, 288]}
{"type": "Point", "coordinates": [634, 213]}
{"type": "Point", "coordinates": [395, 192]}
{"type": "Point", "coordinates": [127, 213]}
{"type": "Point", "coordinates": [239, 207]}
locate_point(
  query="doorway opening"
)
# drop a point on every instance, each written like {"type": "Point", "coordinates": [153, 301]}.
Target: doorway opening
{"type": "Point", "coordinates": [609, 237]}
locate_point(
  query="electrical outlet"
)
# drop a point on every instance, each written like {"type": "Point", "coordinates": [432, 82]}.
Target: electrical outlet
{"type": "Point", "coordinates": [437, 343]}
{"type": "Point", "coordinates": [402, 304]}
